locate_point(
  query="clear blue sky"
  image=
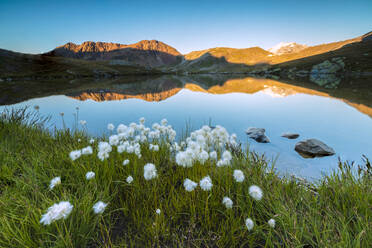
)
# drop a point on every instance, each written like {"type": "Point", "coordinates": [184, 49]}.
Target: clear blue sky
{"type": "Point", "coordinates": [38, 26]}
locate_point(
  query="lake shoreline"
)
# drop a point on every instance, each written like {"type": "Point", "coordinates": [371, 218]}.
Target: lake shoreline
{"type": "Point", "coordinates": [338, 203]}
{"type": "Point", "coordinates": [264, 74]}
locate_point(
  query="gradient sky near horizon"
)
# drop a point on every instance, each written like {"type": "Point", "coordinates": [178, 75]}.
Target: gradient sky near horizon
{"type": "Point", "coordinates": [32, 26]}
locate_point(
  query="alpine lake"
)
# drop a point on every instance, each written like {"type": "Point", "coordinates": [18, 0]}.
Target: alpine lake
{"type": "Point", "coordinates": [340, 117]}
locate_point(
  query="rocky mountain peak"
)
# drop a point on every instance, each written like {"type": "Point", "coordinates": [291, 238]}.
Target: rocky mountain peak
{"type": "Point", "coordinates": [287, 47]}
{"type": "Point", "coordinates": [150, 53]}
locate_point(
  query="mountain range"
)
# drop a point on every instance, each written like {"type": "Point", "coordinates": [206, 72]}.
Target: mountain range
{"type": "Point", "coordinates": [151, 53]}
{"type": "Point", "coordinates": [151, 57]}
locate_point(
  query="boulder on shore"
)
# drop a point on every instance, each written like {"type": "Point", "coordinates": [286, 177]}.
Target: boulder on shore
{"type": "Point", "coordinates": [290, 135]}
{"type": "Point", "coordinates": [312, 148]}
{"type": "Point", "coordinates": [258, 134]}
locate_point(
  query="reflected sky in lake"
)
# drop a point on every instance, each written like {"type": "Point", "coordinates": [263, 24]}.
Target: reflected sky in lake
{"type": "Point", "coordinates": [234, 105]}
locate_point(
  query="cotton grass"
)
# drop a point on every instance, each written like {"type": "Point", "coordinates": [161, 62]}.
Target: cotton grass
{"type": "Point", "coordinates": [227, 202]}
{"type": "Point", "coordinates": [129, 179]}
{"type": "Point", "coordinates": [54, 182]}
{"type": "Point", "coordinates": [57, 211]}
{"type": "Point", "coordinates": [271, 223]}
{"type": "Point", "coordinates": [110, 127]}
{"type": "Point", "coordinates": [238, 176]}
{"type": "Point", "coordinates": [87, 150]}
{"type": "Point", "coordinates": [75, 155]}
{"type": "Point", "coordinates": [206, 183]}
{"type": "Point", "coordinates": [90, 175]}
{"type": "Point", "coordinates": [189, 185]}
{"type": "Point", "coordinates": [249, 224]}
{"type": "Point", "coordinates": [255, 192]}
{"type": "Point", "coordinates": [204, 147]}
{"type": "Point", "coordinates": [99, 207]}
{"type": "Point", "coordinates": [149, 171]}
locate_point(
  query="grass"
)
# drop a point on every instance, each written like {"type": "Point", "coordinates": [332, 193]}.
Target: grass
{"type": "Point", "coordinates": [334, 212]}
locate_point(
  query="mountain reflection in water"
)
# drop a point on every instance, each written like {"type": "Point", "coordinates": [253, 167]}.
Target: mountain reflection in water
{"type": "Point", "coordinates": [167, 86]}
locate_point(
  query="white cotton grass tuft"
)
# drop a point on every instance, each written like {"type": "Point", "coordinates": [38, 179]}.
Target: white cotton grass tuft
{"type": "Point", "coordinates": [75, 155]}
{"type": "Point", "coordinates": [125, 162]}
{"type": "Point", "coordinates": [83, 122]}
{"type": "Point", "coordinates": [91, 141]}
{"type": "Point", "coordinates": [185, 158]}
{"type": "Point", "coordinates": [142, 120]}
{"type": "Point", "coordinates": [189, 185]}
{"type": "Point", "coordinates": [54, 182]}
{"type": "Point", "coordinates": [226, 155]}
{"type": "Point", "coordinates": [87, 150]}
{"type": "Point", "coordinates": [57, 211]}
{"type": "Point", "coordinates": [104, 150]}
{"type": "Point", "coordinates": [227, 202]}
{"type": "Point", "coordinates": [90, 175]}
{"type": "Point", "coordinates": [164, 122]}
{"type": "Point", "coordinates": [271, 223]}
{"type": "Point", "coordinates": [249, 224]}
{"type": "Point", "coordinates": [255, 192]}
{"type": "Point", "coordinates": [99, 207]}
{"type": "Point", "coordinates": [225, 160]}
{"type": "Point", "coordinates": [129, 179]}
{"type": "Point", "coordinates": [154, 147]}
{"type": "Point", "coordinates": [110, 127]}
{"type": "Point", "coordinates": [213, 155]}
{"type": "Point", "coordinates": [239, 176]}
{"type": "Point", "coordinates": [114, 140]}
{"type": "Point", "coordinates": [158, 211]}
{"type": "Point", "coordinates": [122, 129]}
{"type": "Point", "coordinates": [149, 171]}
{"type": "Point", "coordinates": [202, 156]}
{"type": "Point", "coordinates": [206, 183]}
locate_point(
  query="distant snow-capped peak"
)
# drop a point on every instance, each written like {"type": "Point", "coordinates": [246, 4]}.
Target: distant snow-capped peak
{"type": "Point", "coordinates": [287, 47]}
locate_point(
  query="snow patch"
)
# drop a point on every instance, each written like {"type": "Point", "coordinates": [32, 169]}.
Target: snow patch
{"type": "Point", "coordinates": [286, 47]}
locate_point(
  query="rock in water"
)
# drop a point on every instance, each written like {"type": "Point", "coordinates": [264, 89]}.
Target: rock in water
{"type": "Point", "coordinates": [290, 135]}
{"type": "Point", "coordinates": [311, 148]}
{"type": "Point", "coordinates": [258, 134]}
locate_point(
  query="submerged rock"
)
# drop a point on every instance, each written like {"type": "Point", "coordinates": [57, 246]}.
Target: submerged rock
{"type": "Point", "coordinates": [290, 135]}
{"type": "Point", "coordinates": [258, 134]}
{"type": "Point", "coordinates": [311, 148]}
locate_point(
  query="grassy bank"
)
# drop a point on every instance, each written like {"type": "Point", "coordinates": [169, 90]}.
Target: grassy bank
{"type": "Point", "coordinates": [336, 212]}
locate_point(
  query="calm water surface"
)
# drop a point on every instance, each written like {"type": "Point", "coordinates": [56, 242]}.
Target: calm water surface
{"type": "Point", "coordinates": [235, 104]}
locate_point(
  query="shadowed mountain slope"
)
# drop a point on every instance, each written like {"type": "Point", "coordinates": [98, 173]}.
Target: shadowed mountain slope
{"type": "Point", "coordinates": [26, 66]}
{"type": "Point", "coordinates": [247, 56]}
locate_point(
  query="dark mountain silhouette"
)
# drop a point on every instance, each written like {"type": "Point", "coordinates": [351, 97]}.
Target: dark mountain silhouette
{"type": "Point", "coordinates": [20, 66]}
